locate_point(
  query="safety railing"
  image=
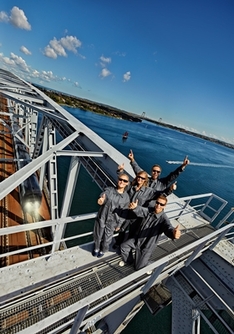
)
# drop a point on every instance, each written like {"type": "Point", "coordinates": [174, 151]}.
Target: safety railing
{"type": "Point", "coordinates": [175, 209]}
{"type": "Point", "coordinates": [209, 210]}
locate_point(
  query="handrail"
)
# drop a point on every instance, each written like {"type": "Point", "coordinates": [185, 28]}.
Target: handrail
{"type": "Point", "coordinates": [83, 217]}
{"type": "Point", "coordinates": [186, 204]}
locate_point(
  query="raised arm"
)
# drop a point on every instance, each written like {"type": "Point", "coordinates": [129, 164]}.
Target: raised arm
{"type": "Point", "coordinates": [185, 163]}
{"type": "Point", "coordinates": [136, 168]}
{"type": "Point", "coordinates": [139, 211]}
{"type": "Point", "coordinates": [173, 175]}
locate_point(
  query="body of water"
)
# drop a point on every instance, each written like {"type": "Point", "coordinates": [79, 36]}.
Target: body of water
{"type": "Point", "coordinates": [210, 171]}
{"type": "Point", "coordinates": [211, 166]}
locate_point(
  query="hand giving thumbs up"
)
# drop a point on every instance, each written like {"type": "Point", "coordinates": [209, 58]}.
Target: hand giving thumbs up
{"type": "Point", "coordinates": [177, 232]}
{"type": "Point", "coordinates": [101, 199]}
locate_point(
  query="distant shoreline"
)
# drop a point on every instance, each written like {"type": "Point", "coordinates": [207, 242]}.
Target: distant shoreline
{"type": "Point", "coordinates": [103, 109]}
{"type": "Point", "coordinates": [217, 141]}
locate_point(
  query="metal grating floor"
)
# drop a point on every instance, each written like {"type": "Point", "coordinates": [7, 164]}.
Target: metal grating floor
{"type": "Point", "coordinates": [20, 314]}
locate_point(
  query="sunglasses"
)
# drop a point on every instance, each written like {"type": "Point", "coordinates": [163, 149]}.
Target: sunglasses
{"type": "Point", "coordinates": [159, 203]}
{"type": "Point", "coordinates": [124, 180]}
{"type": "Point", "coordinates": [156, 171]}
{"type": "Point", "coordinates": [141, 177]}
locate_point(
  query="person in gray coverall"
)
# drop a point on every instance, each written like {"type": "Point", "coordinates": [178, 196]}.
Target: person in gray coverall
{"type": "Point", "coordinates": [114, 203]}
{"type": "Point", "coordinates": [138, 191]}
{"type": "Point", "coordinates": [158, 184]}
{"type": "Point", "coordinates": [154, 223]}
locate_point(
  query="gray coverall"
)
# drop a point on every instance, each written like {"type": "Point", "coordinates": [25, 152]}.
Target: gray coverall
{"type": "Point", "coordinates": [144, 196]}
{"type": "Point", "coordinates": [162, 183]}
{"type": "Point", "coordinates": [145, 239]}
{"type": "Point", "coordinates": [111, 214]}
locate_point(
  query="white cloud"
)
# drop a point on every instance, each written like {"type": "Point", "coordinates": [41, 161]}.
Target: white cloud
{"type": "Point", "coordinates": [49, 52]}
{"type": "Point", "coordinates": [81, 56]}
{"type": "Point", "coordinates": [47, 75]}
{"type": "Point", "coordinates": [44, 75]}
{"type": "Point", "coordinates": [18, 66]}
{"type": "Point", "coordinates": [18, 19]}
{"type": "Point", "coordinates": [127, 76]}
{"type": "Point", "coordinates": [35, 74]}
{"type": "Point", "coordinates": [105, 60]}
{"type": "Point", "coordinates": [20, 62]}
{"type": "Point", "coordinates": [25, 50]}
{"type": "Point", "coordinates": [15, 62]}
{"type": "Point", "coordinates": [6, 60]}
{"type": "Point", "coordinates": [120, 54]}
{"type": "Point", "coordinates": [58, 47]}
{"type": "Point", "coordinates": [4, 17]}
{"type": "Point", "coordinates": [105, 73]}
{"type": "Point", "coordinates": [70, 43]}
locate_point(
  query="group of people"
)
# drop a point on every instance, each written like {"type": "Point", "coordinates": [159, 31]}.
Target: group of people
{"type": "Point", "coordinates": [135, 210]}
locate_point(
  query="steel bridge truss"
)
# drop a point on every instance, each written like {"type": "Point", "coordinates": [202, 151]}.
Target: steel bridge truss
{"type": "Point", "coordinates": [50, 132]}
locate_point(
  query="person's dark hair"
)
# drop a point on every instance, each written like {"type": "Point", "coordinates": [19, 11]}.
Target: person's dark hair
{"type": "Point", "coordinates": [162, 197]}
{"type": "Point", "coordinates": [157, 166]}
{"type": "Point", "coordinates": [134, 182]}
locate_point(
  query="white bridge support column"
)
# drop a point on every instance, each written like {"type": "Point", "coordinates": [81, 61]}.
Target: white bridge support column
{"type": "Point", "coordinates": [32, 131]}
{"type": "Point", "coordinates": [73, 173]}
{"type": "Point", "coordinates": [182, 310]}
{"type": "Point", "coordinates": [44, 149]}
{"type": "Point", "coordinates": [53, 184]}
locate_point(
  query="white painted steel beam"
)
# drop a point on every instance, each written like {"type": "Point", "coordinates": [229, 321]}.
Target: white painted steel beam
{"type": "Point", "coordinates": [16, 179]}
{"type": "Point", "coordinates": [79, 154]}
{"type": "Point", "coordinates": [67, 200]}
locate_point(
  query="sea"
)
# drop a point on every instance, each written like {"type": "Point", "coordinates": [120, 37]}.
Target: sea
{"type": "Point", "coordinates": [211, 170]}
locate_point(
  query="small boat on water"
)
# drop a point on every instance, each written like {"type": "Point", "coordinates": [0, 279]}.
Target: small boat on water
{"type": "Point", "coordinates": [125, 135]}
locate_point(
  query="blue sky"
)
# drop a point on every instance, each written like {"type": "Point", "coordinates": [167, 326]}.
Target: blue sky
{"type": "Point", "coordinates": [170, 59]}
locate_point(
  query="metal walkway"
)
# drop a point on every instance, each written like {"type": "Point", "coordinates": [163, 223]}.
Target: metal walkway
{"type": "Point", "coordinates": [49, 304]}
{"type": "Point", "coordinates": [23, 312]}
